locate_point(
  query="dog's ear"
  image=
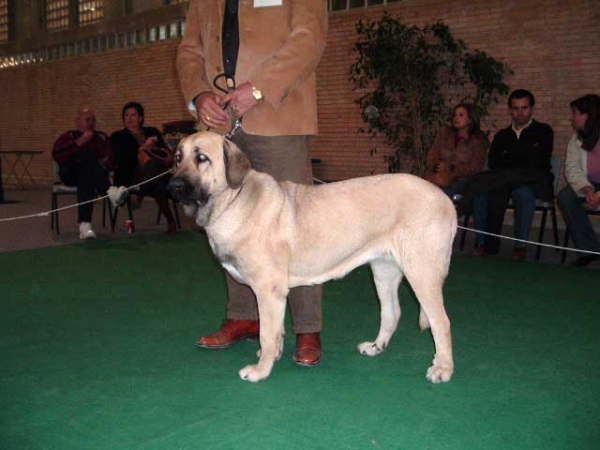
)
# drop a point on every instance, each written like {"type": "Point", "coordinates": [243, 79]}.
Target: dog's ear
{"type": "Point", "coordinates": [237, 164]}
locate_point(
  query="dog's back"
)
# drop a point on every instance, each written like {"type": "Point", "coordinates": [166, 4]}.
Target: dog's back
{"type": "Point", "coordinates": [400, 215]}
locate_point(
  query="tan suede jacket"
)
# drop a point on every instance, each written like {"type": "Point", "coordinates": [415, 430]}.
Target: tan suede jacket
{"type": "Point", "coordinates": [465, 159]}
{"type": "Point", "coordinates": [280, 47]}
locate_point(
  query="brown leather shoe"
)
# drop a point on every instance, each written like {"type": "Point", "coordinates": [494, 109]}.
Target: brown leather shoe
{"type": "Point", "coordinates": [308, 349]}
{"type": "Point", "coordinates": [518, 254]}
{"type": "Point", "coordinates": [230, 332]}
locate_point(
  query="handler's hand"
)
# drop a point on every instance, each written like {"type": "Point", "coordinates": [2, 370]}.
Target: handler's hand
{"type": "Point", "coordinates": [241, 99]}
{"type": "Point", "coordinates": [210, 112]}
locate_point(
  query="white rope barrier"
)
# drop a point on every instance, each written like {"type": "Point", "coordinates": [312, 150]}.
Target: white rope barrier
{"type": "Point", "coordinates": [47, 213]}
{"type": "Point", "coordinates": [541, 244]}
{"type": "Point", "coordinates": [135, 186]}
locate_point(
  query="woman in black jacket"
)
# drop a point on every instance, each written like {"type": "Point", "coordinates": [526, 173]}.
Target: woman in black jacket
{"type": "Point", "coordinates": [141, 154]}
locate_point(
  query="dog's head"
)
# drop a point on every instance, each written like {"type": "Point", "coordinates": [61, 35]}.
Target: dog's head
{"type": "Point", "coordinates": [206, 165]}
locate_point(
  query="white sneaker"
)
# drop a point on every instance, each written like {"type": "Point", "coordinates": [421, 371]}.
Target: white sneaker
{"type": "Point", "coordinates": [117, 195]}
{"type": "Point", "coordinates": [85, 231]}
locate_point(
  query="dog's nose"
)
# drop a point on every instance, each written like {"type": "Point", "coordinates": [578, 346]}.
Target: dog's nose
{"type": "Point", "coordinates": [178, 187]}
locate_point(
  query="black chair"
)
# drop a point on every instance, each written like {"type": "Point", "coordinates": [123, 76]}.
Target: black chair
{"type": "Point", "coordinates": [543, 206]}
{"type": "Point", "coordinates": [175, 131]}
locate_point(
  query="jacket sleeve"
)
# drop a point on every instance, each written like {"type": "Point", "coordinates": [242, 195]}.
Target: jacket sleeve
{"type": "Point", "coordinates": [299, 55]}
{"type": "Point", "coordinates": [191, 59]}
{"type": "Point", "coordinates": [115, 145]}
{"type": "Point", "coordinates": [495, 154]}
{"type": "Point", "coordinates": [103, 150]}
{"type": "Point", "coordinates": [64, 147]}
{"type": "Point", "coordinates": [478, 147]}
{"type": "Point", "coordinates": [433, 155]}
{"type": "Point", "coordinates": [575, 167]}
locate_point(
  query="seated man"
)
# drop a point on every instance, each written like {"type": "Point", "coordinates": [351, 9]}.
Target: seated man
{"type": "Point", "coordinates": [519, 168]}
{"type": "Point", "coordinates": [84, 157]}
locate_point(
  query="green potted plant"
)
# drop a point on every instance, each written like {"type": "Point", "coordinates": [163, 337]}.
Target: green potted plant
{"type": "Point", "coordinates": [410, 77]}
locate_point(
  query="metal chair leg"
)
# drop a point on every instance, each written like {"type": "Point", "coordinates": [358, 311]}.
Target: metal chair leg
{"type": "Point", "coordinates": [555, 227]}
{"type": "Point", "coordinates": [463, 236]}
{"type": "Point", "coordinates": [565, 243]}
{"type": "Point", "coordinates": [538, 252]}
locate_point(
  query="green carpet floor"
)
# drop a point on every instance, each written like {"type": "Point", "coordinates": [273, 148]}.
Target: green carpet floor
{"type": "Point", "coordinates": [97, 352]}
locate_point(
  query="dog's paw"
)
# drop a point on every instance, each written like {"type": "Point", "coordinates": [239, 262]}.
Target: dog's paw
{"type": "Point", "coordinates": [252, 373]}
{"type": "Point", "coordinates": [440, 373]}
{"type": "Point", "coordinates": [370, 348]}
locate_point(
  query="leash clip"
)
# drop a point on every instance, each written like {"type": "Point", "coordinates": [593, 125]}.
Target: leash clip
{"type": "Point", "coordinates": [236, 126]}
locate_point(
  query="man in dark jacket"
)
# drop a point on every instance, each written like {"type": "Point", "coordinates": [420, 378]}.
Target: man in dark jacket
{"type": "Point", "coordinates": [519, 169]}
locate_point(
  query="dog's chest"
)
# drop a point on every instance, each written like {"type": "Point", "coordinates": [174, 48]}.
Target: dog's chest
{"type": "Point", "coordinates": [226, 258]}
{"type": "Point", "coordinates": [232, 270]}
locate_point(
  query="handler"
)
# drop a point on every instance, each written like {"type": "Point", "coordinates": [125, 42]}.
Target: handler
{"type": "Point", "coordinates": [269, 82]}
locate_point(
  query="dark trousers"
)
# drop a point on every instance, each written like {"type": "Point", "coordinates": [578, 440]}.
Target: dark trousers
{"type": "Point", "coordinates": [578, 220]}
{"type": "Point", "coordinates": [156, 188]}
{"type": "Point", "coordinates": [285, 158]}
{"type": "Point", "coordinates": [497, 186]}
{"type": "Point", "coordinates": [84, 171]}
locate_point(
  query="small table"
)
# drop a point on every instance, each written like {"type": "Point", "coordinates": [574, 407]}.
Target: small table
{"type": "Point", "coordinates": [22, 159]}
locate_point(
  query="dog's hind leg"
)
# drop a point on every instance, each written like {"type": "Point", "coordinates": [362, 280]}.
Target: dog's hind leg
{"type": "Point", "coordinates": [271, 309]}
{"type": "Point", "coordinates": [428, 289]}
{"type": "Point", "coordinates": [387, 276]}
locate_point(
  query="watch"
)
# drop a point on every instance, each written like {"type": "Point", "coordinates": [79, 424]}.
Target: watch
{"type": "Point", "coordinates": [257, 95]}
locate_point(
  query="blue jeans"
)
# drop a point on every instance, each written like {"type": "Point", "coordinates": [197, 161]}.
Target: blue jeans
{"type": "Point", "coordinates": [524, 202]}
{"type": "Point", "coordinates": [524, 205]}
{"type": "Point", "coordinates": [577, 219]}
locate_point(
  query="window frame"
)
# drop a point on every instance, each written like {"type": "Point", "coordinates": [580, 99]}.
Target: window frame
{"type": "Point", "coordinates": [8, 31]}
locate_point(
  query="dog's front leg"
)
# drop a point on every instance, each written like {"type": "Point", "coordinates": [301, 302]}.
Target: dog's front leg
{"type": "Point", "coordinates": [271, 309]}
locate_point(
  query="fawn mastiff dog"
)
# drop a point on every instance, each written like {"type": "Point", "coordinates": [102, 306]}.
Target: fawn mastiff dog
{"type": "Point", "coordinates": [276, 235]}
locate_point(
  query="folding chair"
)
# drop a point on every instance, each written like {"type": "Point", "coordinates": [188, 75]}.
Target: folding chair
{"type": "Point", "coordinates": [59, 189]}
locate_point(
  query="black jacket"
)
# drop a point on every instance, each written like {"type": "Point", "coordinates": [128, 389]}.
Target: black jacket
{"type": "Point", "coordinates": [514, 163]}
{"type": "Point", "coordinates": [525, 161]}
{"type": "Point", "coordinates": [125, 148]}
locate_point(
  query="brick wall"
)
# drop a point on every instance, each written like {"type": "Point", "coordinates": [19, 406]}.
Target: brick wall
{"type": "Point", "coordinates": [40, 101]}
{"type": "Point", "coordinates": [552, 46]}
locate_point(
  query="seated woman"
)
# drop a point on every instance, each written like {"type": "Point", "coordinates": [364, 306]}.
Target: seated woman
{"type": "Point", "coordinates": [582, 171]}
{"type": "Point", "coordinates": [141, 154]}
{"type": "Point", "coordinates": [458, 152]}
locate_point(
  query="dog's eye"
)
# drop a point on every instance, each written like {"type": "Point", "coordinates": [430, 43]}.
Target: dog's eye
{"type": "Point", "coordinates": [201, 158]}
{"type": "Point", "coordinates": [177, 157]}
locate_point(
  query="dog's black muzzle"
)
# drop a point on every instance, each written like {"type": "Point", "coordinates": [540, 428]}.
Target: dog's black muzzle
{"type": "Point", "coordinates": [181, 190]}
